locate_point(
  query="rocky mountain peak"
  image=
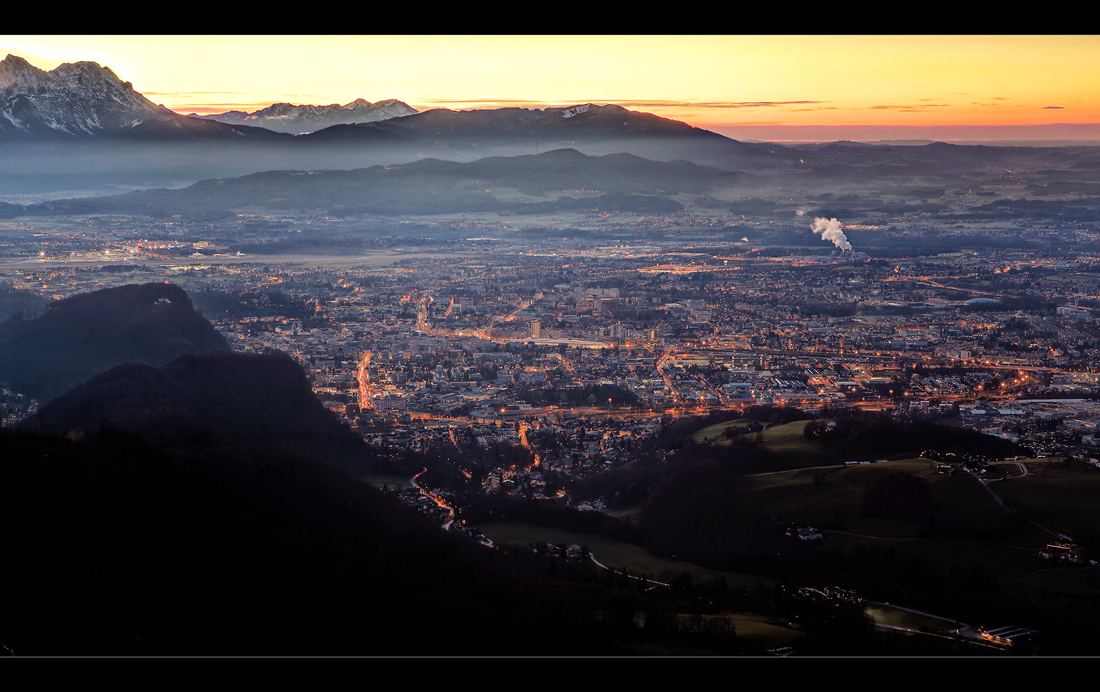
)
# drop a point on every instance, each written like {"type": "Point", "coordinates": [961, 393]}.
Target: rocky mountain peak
{"type": "Point", "coordinates": [15, 70]}
{"type": "Point", "coordinates": [292, 119]}
{"type": "Point", "coordinates": [73, 99]}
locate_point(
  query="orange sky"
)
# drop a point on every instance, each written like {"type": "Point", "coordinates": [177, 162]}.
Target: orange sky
{"type": "Point", "coordinates": [789, 86]}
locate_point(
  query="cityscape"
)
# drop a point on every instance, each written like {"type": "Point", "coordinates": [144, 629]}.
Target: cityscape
{"type": "Point", "coordinates": [824, 399]}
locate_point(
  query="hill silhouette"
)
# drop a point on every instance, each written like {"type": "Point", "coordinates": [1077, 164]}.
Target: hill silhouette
{"type": "Point", "coordinates": [87, 334]}
{"type": "Point", "coordinates": [244, 550]}
{"type": "Point", "coordinates": [209, 398]}
{"type": "Point", "coordinates": [177, 513]}
{"type": "Point", "coordinates": [429, 186]}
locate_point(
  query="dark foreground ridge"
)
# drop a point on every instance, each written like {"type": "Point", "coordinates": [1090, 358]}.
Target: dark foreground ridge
{"type": "Point", "coordinates": [209, 398]}
{"type": "Point", "coordinates": [87, 334]}
{"type": "Point", "coordinates": [126, 550]}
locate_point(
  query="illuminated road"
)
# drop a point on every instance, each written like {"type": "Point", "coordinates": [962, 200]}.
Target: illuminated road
{"type": "Point", "coordinates": [365, 389]}
{"type": "Point", "coordinates": [434, 498]}
{"type": "Point", "coordinates": [962, 629]}
{"type": "Point", "coordinates": [523, 428]}
{"type": "Point", "coordinates": [615, 571]}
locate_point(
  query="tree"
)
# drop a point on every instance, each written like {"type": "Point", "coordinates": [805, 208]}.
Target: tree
{"type": "Point", "coordinates": [682, 583]}
{"type": "Point", "coordinates": [898, 496]}
{"type": "Point", "coordinates": [721, 588]}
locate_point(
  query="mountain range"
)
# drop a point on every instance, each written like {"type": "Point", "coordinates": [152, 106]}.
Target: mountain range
{"type": "Point", "coordinates": [86, 100]}
{"type": "Point", "coordinates": [297, 120]}
{"type": "Point", "coordinates": [552, 181]}
{"type": "Point", "coordinates": [80, 129]}
{"type": "Point", "coordinates": [73, 99]}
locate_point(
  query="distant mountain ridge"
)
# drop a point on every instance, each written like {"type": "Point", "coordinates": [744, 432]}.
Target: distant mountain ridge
{"type": "Point", "coordinates": [79, 127]}
{"type": "Point", "coordinates": [80, 98]}
{"type": "Point", "coordinates": [433, 186]}
{"type": "Point", "coordinates": [582, 120]}
{"type": "Point", "coordinates": [85, 100]}
{"type": "Point", "coordinates": [296, 120]}
{"type": "Point", "coordinates": [593, 129]}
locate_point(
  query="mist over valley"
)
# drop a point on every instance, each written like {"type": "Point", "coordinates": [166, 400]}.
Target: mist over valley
{"type": "Point", "coordinates": [373, 379]}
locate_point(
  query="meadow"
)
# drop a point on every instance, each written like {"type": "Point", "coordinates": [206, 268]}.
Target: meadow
{"type": "Point", "coordinates": [616, 554]}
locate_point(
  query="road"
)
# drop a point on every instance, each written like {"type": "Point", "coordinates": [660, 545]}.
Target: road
{"type": "Point", "coordinates": [985, 484]}
{"type": "Point", "coordinates": [962, 629]}
{"type": "Point", "coordinates": [434, 498]}
{"type": "Point", "coordinates": [615, 571]}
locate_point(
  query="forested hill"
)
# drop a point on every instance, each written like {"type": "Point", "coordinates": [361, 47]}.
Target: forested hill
{"type": "Point", "coordinates": [199, 399]}
{"type": "Point", "coordinates": [87, 334]}
{"type": "Point", "coordinates": [520, 184]}
{"type": "Point", "coordinates": [244, 550]}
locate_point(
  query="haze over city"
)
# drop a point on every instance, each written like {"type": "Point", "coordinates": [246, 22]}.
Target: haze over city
{"type": "Point", "coordinates": [550, 345]}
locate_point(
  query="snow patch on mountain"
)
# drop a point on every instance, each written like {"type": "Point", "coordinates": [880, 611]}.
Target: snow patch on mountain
{"type": "Point", "coordinates": [81, 98]}
{"type": "Point", "coordinates": [292, 119]}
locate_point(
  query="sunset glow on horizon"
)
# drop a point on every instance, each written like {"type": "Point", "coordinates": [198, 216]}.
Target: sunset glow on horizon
{"type": "Point", "coordinates": [780, 87]}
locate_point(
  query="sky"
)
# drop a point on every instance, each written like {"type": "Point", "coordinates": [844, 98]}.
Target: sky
{"type": "Point", "coordinates": [785, 88]}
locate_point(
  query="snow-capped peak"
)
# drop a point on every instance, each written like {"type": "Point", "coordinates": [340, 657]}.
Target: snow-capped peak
{"type": "Point", "coordinates": [80, 98]}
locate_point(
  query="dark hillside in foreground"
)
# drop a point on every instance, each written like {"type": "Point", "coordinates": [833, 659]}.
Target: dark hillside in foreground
{"type": "Point", "coordinates": [709, 504]}
{"type": "Point", "coordinates": [203, 538]}
{"type": "Point", "coordinates": [210, 398]}
{"type": "Point", "coordinates": [17, 301]}
{"type": "Point", "coordinates": [863, 436]}
{"type": "Point", "coordinates": [124, 550]}
{"type": "Point", "coordinates": [87, 334]}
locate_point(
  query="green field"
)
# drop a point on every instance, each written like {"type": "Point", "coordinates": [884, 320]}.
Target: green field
{"type": "Point", "coordinates": [1010, 467]}
{"type": "Point", "coordinates": [627, 514]}
{"type": "Point", "coordinates": [1067, 581]}
{"type": "Point", "coordinates": [786, 444]}
{"type": "Point", "coordinates": [790, 447]}
{"type": "Point", "coordinates": [889, 615]}
{"type": "Point", "coordinates": [1011, 565]}
{"type": "Point", "coordinates": [615, 554]}
{"type": "Point", "coordinates": [831, 499]}
{"type": "Point", "coordinates": [1073, 590]}
{"type": "Point", "coordinates": [1064, 501]}
{"type": "Point", "coordinates": [714, 432]}
{"type": "Point", "coordinates": [768, 631]}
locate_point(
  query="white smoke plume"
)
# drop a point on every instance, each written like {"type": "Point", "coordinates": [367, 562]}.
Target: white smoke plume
{"type": "Point", "coordinates": [800, 212]}
{"type": "Point", "coordinates": [830, 230]}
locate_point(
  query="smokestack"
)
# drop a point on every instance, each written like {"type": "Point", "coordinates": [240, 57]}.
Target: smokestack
{"type": "Point", "coordinates": [829, 229]}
